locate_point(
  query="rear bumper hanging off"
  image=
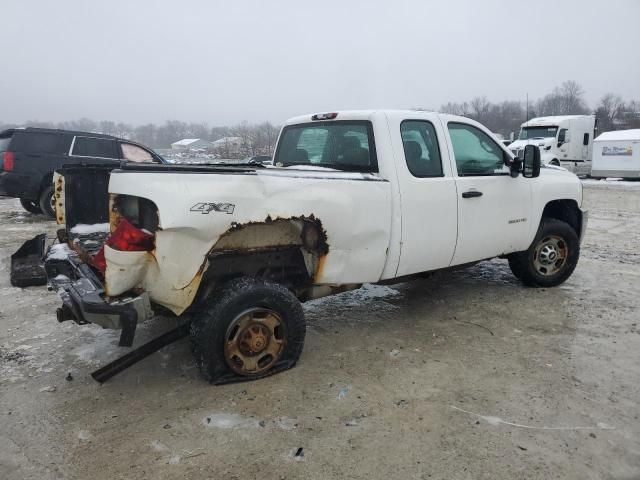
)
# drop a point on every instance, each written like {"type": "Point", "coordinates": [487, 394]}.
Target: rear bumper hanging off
{"type": "Point", "coordinates": [83, 299]}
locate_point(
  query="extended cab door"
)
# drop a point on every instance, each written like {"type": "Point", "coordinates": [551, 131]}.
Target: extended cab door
{"type": "Point", "coordinates": [427, 193]}
{"type": "Point", "coordinates": [494, 209]}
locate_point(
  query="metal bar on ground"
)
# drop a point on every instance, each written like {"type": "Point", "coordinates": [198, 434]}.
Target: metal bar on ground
{"type": "Point", "coordinates": [118, 365]}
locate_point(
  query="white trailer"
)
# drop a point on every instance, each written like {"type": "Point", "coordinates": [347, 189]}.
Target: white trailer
{"type": "Point", "coordinates": [617, 154]}
{"type": "Point", "coordinates": [565, 141]}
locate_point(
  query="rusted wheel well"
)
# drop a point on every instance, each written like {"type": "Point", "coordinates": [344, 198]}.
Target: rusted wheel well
{"type": "Point", "coordinates": [286, 251]}
{"type": "Point", "coordinates": [282, 265]}
{"type": "Point", "coordinates": [565, 210]}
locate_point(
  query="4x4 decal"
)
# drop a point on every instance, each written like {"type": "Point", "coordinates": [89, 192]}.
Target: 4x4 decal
{"type": "Point", "coordinates": [206, 207]}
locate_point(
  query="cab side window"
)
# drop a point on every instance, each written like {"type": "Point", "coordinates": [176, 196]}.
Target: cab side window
{"type": "Point", "coordinates": [563, 136]}
{"type": "Point", "coordinates": [421, 150]}
{"type": "Point", "coordinates": [476, 153]}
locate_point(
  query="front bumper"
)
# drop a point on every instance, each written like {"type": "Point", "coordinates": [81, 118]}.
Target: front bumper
{"type": "Point", "coordinates": [84, 300]}
{"type": "Point", "coordinates": [583, 223]}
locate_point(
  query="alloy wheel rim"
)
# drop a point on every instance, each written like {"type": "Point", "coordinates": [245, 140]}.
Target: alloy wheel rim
{"type": "Point", "coordinates": [254, 341]}
{"type": "Point", "coordinates": [550, 255]}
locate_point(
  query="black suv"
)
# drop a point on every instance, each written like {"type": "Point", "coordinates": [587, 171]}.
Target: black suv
{"type": "Point", "coordinates": [29, 156]}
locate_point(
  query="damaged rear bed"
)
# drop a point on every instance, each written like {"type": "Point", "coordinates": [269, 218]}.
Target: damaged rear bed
{"type": "Point", "coordinates": [74, 265]}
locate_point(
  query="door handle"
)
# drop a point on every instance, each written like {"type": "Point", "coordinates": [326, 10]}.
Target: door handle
{"type": "Point", "coordinates": [471, 194]}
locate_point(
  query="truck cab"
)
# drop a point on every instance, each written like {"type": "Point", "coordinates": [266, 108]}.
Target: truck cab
{"type": "Point", "coordinates": [565, 141]}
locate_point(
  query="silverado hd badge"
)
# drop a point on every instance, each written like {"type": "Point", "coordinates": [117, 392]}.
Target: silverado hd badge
{"type": "Point", "coordinates": [206, 207]}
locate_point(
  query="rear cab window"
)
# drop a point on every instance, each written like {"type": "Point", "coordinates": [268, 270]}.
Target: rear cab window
{"type": "Point", "coordinates": [421, 150]}
{"type": "Point", "coordinates": [343, 145]}
{"type": "Point", "coordinates": [475, 152]}
{"type": "Point", "coordinates": [94, 147]}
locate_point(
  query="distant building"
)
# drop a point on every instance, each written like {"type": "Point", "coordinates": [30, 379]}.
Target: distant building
{"type": "Point", "coordinates": [190, 144]}
{"type": "Point", "coordinates": [228, 142]}
{"type": "Point", "coordinates": [229, 147]}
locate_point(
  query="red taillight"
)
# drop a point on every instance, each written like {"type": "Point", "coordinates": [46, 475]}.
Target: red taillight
{"type": "Point", "coordinates": [7, 161]}
{"type": "Point", "coordinates": [126, 238]}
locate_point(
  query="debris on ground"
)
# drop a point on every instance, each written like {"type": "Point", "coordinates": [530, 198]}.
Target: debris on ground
{"type": "Point", "coordinates": [298, 454]}
{"type": "Point", "coordinates": [343, 392]}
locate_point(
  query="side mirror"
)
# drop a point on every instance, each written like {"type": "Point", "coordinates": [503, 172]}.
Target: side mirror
{"type": "Point", "coordinates": [560, 144]}
{"type": "Point", "coordinates": [531, 162]}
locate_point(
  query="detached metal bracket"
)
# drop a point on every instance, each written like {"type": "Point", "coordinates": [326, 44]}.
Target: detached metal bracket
{"type": "Point", "coordinates": [129, 322]}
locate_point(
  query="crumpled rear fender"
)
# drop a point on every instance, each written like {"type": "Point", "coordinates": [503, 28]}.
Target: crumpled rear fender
{"type": "Point", "coordinates": [354, 211]}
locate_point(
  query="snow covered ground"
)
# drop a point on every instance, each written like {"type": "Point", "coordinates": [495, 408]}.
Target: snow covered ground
{"type": "Point", "coordinates": [612, 182]}
{"type": "Point", "coordinates": [466, 374]}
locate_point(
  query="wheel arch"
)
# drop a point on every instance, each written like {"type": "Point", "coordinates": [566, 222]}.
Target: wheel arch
{"type": "Point", "coordinates": [288, 251]}
{"type": "Point", "coordinates": [47, 179]}
{"type": "Point", "coordinates": [566, 210]}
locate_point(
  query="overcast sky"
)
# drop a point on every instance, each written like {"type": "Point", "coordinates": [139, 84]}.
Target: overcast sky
{"type": "Point", "coordinates": [227, 61]}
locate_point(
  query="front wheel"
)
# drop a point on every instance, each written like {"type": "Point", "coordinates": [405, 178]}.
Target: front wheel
{"type": "Point", "coordinates": [249, 329]}
{"type": "Point", "coordinates": [30, 206]}
{"type": "Point", "coordinates": [551, 258]}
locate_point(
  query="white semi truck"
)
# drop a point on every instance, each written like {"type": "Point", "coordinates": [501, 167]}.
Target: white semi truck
{"type": "Point", "coordinates": [565, 141]}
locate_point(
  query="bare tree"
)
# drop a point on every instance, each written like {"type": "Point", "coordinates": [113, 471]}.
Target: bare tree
{"type": "Point", "coordinates": [567, 99]}
{"type": "Point", "coordinates": [265, 137]}
{"type": "Point", "coordinates": [246, 134]}
{"type": "Point", "coordinates": [609, 110]}
{"type": "Point", "coordinates": [480, 107]}
{"type": "Point", "coordinates": [147, 135]}
{"type": "Point", "coordinates": [456, 109]}
{"type": "Point", "coordinates": [573, 96]}
{"type": "Point", "coordinates": [216, 133]}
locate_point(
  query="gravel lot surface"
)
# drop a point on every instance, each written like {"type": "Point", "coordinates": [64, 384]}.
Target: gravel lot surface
{"type": "Point", "coordinates": [464, 375]}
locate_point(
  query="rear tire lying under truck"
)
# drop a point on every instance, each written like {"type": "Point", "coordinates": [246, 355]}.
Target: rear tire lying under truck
{"type": "Point", "coordinates": [250, 328]}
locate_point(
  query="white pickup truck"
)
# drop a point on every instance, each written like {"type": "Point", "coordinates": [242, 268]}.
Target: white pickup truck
{"type": "Point", "coordinates": [352, 197]}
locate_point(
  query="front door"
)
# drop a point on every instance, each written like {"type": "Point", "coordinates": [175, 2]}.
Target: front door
{"type": "Point", "coordinates": [494, 209]}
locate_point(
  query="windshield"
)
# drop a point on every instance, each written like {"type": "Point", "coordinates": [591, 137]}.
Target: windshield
{"type": "Point", "coordinates": [344, 145]}
{"type": "Point", "coordinates": [537, 132]}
